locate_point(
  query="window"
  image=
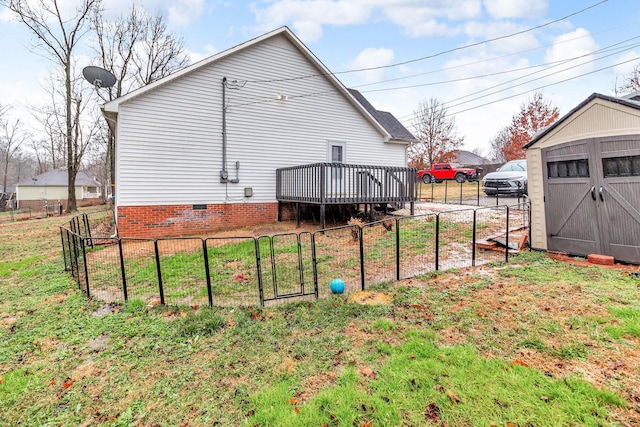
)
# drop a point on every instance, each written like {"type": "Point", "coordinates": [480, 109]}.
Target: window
{"type": "Point", "coordinates": [568, 169]}
{"type": "Point", "coordinates": [336, 153]}
{"type": "Point", "coordinates": [621, 166]}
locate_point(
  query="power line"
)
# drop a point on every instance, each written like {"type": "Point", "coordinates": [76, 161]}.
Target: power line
{"type": "Point", "coordinates": [497, 73]}
{"type": "Point", "coordinates": [544, 86]}
{"type": "Point", "coordinates": [494, 57]}
{"type": "Point", "coordinates": [517, 33]}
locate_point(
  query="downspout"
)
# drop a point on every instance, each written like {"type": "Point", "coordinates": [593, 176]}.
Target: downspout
{"type": "Point", "coordinates": [224, 174]}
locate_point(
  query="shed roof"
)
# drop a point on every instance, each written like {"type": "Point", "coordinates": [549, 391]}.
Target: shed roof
{"type": "Point", "coordinates": [632, 100]}
{"type": "Point", "coordinates": [385, 122]}
{"type": "Point", "coordinates": [59, 178]}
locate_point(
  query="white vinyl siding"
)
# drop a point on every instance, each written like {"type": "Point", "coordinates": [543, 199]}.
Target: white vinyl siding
{"type": "Point", "coordinates": [169, 140]}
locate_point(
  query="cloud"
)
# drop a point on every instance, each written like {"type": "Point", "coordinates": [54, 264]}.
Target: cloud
{"type": "Point", "coordinates": [501, 9]}
{"type": "Point", "coordinates": [571, 49]}
{"type": "Point", "coordinates": [492, 30]}
{"type": "Point", "coordinates": [194, 57]}
{"type": "Point", "coordinates": [308, 17]}
{"type": "Point", "coordinates": [627, 62]}
{"type": "Point", "coordinates": [183, 12]}
{"type": "Point", "coordinates": [370, 58]}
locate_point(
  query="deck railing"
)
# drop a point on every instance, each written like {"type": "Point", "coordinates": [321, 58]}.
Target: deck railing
{"type": "Point", "coordinates": [338, 183]}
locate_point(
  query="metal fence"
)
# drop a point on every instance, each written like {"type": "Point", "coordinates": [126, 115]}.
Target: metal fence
{"type": "Point", "coordinates": [11, 215]}
{"type": "Point", "coordinates": [465, 193]}
{"type": "Point", "coordinates": [251, 271]}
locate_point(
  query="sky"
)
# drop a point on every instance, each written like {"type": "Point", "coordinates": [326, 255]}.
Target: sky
{"type": "Point", "coordinates": [482, 58]}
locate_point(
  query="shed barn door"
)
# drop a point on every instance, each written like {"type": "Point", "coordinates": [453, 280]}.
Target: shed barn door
{"type": "Point", "coordinates": [570, 208]}
{"type": "Point", "coordinates": [592, 197]}
{"type": "Point", "coordinates": [619, 197]}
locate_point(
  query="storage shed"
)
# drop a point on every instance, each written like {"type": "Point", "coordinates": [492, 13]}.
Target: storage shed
{"type": "Point", "coordinates": [584, 180]}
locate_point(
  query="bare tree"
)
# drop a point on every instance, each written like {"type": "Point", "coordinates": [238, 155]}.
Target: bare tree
{"type": "Point", "coordinates": [436, 133]}
{"type": "Point", "coordinates": [631, 82]}
{"type": "Point", "coordinates": [138, 49]}
{"type": "Point", "coordinates": [12, 135]}
{"type": "Point", "coordinates": [59, 36]}
{"type": "Point", "coordinates": [498, 143]}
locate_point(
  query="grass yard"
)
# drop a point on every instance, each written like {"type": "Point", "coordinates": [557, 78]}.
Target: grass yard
{"type": "Point", "coordinates": [535, 342]}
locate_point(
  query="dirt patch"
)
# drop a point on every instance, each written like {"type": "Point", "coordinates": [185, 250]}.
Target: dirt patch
{"type": "Point", "coordinates": [369, 298]}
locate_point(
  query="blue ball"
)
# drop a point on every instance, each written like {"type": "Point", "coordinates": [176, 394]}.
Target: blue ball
{"type": "Point", "coordinates": [337, 286]}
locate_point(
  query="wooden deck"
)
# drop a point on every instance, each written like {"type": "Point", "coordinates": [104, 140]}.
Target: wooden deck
{"type": "Point", "coordinates": [342, 184]}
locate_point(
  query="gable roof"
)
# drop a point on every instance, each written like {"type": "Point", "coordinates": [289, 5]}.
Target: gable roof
{"type": "Point", "coordinates": [630, 100]}
{"type": "Point", "coordinates": [385, 122]}
{"type": "Point", "coordinates": [59, 178]}
{"type": "Point", "coordinates": [468, 158]}
{"type": "Point", "coordinates": [386, 119]}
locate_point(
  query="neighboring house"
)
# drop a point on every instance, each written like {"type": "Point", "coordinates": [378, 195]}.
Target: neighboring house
{"type": "Point", "coordinates": [584, 180]}
{"type": "Point", "coordinates": [467, 158]}
{"type": "Point", "coordinates": [50, 189]}
{"type": "Point", "coordinates": [198, 150]}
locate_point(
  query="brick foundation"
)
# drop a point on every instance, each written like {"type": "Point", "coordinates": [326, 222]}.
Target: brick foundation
{"type": "Point", "coordinates": [184, 220]}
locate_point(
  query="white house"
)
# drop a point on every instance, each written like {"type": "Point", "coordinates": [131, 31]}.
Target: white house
{"type": "Point", "coordinates": [198, 150]}
{"type": "Point", "coordinates": [50, 189]}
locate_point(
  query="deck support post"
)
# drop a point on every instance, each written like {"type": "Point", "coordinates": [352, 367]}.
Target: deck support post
{"type": "Point", "coordinates": [297, 214]}
{"type": "Point", "coordinates": [279, 211]}
{"type": "Point", "coordinates": [322, 218]}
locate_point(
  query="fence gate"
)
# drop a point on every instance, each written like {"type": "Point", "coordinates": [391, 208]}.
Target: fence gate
{"type": "Point", "coordinates": [286, 266]}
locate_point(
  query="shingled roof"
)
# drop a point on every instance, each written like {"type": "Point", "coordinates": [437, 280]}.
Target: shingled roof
{"type": "Point", "coordinates": [386, 119]}
{"type": "Point", "coordinates": [59, 178]}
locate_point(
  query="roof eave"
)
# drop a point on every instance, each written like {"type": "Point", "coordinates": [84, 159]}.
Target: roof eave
{"type": "Point", "coordinates": [593, 96]}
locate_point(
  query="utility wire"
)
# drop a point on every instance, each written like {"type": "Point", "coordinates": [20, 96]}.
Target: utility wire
{"type": "Point", "coordinates": [494, 57]}
{"type": "Point", "coordinates": [542, 87]}
{"type": "Point", "coordinates": [444, 52]}
{"type": "Point", "coordinates": [513, 70]}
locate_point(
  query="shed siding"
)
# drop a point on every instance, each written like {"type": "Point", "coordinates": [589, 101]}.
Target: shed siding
{"type": "Point", "coordinates": [170, 139]}
{"type": "Point", "coordinates": [599, 118]}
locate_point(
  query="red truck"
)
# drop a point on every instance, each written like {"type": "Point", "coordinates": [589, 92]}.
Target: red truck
{"type": "Point", "coordinates": [441, 171]}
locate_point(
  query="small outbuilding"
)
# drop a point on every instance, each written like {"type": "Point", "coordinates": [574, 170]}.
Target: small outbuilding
{"type": "Point", "coordinates": [584, 180]}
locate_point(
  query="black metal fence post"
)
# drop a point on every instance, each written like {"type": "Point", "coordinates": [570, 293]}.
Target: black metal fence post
{"type": "Point", "coordinates": [123, 272]}
{"type": "Point", "coordinates": [159, 269]}
{"type": "Point", "coordinates": [207, 271]}
{"type": "Point", "coordinates": [437, 241]}
{"type": "Point", "coordinates": [506, 244]}
{"type": "Point", "coordinates": [473, 238]}
{"type": "Point", "coordinates": [314, 263]}
{"type": "Point", "coordinates": [362, 278]}
{"type": "Point", "coordinates": [256, 244]}
{"type": "Point", "coordinates": [460, 193]}
{"type": "Point", "coordinates": [64, 255]}
{"type": "Point", "coordinates": [86, 268]}
{"type": "Point", "coordinates": [397, 249]}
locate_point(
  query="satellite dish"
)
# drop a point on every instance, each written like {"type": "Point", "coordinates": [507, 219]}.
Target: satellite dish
{"type": "Point", "coordinates": [99, 77]}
